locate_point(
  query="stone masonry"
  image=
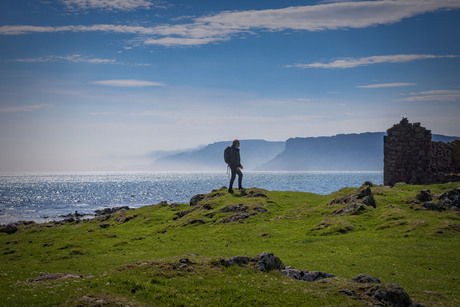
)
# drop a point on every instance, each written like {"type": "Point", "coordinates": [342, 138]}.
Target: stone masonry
{"type": "Point", "coordinates": [411, 157]}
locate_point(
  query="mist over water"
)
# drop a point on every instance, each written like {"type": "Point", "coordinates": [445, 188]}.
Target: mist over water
{"type": "Point", "coordinates": [44, 197]}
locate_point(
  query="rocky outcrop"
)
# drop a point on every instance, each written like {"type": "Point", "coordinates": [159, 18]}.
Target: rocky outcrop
{"type": "Point", "coordinates": [364, 278]}
{"type": "Point", "coordinates": [269, 262]}
{"type": "Point", "coordinates": [9, 229]}
{"type": "Point", "coordinates": [355, 202]}
{"type": "Point", "coordinates": [107, 211]}
{"type": "Point", "coordinates": [305, 275]}
{"type": "Point", "coordinates": [447, 200]}
{"type": "Point", "coordinates": [54, 276]}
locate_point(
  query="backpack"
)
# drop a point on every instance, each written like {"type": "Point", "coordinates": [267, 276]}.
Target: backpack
{"type": "Point", "coordinates": [227, 155]}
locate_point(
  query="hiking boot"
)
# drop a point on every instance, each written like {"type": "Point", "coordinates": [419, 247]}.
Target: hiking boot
{"type": "Point", "coordinates": [230, 191]}
{"type": "Point", "coordinates": [242, 190]}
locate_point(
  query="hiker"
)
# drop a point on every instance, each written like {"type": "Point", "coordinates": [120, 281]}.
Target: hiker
{"type": "Point", "coordinates": [232, 158]}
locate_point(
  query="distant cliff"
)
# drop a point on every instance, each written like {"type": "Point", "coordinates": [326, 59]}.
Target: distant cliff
{"type": "Point", "coordinates": [211, 157]}
{"type": "Point", "coordinates": [343, 152]}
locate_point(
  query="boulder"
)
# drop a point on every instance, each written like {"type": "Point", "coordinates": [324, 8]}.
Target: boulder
{"type": "Point", "coordinates": [391, 294]}
{"type": "Point", "coordinates": [450, 199]}
{"type": "Point", "coordinates": [9, 229]}
{"type": "Point", "coordinates": [196, 199]}
{"type": "Point", "coordinates": [305, 275]}
{"type": "Point", "coordinates": [355, 202]}
{"type": "Point", "coordinates": [107, 211]}
{"type": "Point", "coordinates": [237, 217]}
{"type": "Point", "coordinates": [267, 261]}
{"type": "Point", "coordinates": [424, 195]}
{"type": "Point", "coordinates": [433, 206]}
{"type": "Point", "coordinates": [363, 278]}
{"type": "Point", "coordinates": [235, 208]}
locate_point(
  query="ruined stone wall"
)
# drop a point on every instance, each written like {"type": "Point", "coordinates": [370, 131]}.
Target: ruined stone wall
{"type": "Point", "coordinates": [441, 157]}
{"type": "Point", "coordinates": [407, 153]}
{"type": "Point", "coordinates": [411, 157]}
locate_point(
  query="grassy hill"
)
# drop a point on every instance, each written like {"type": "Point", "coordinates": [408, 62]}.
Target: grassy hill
{"type": "Point", "coordinates": [168, 254]}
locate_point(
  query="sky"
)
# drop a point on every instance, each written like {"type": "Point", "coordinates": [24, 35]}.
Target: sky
{"type": "Point", "coordinates": [108, 84]}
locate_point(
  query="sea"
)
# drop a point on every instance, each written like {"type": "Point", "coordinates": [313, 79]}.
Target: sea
{"type": "Point", "coordinates": [44, 197]}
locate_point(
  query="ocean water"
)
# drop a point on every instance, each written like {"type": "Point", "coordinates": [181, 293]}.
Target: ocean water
{"type": "Point", "coordinates": [46, 197]}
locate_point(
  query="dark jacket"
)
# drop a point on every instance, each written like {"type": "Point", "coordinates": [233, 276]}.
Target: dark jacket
{"type": "Point", "coordinates": [235, 160]}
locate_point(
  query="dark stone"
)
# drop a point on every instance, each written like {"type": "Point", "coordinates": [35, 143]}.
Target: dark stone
{"type": "Point", "coordinates": [347, 292]}
{"type": "Point", "coordinates": [236, 217]}
{"type": "Point", "coordinates": [353, 209]}
{"type": "Point", "coordinates": [424, 195]}
{"type": "Point", "coordinates": [305, 275]}
{"type": "Point", "coordinates": [181, 214]}
{"type": "Point", "coordinates": [54, 276]}
{"type": "Point", "coordinates": [450, 199]}
{"type": "Point", "coordinates": [106, 211]}
{"type": "Point", "coordinates": [394, 295]}
{"type": "Point", "coordinates": [363, 278]}
{"type": "Point", "coordinates": [195, 222]}
{"type": "Point", "coordinates": [433, 206]}
{"type": "Point", "coordinates": [9, 229]}
{"type": "Point", "coordinates": [196, 199]}
{"type": "Point", "coordinates": [260, 209]}
{"type": "Point", "coordinates": [105, 225]}
{"type": "Point", "coordinates": [234, 208]}
{"type": "Point", "coordinates": [355, 201]}
{"type": "Point", "coordinates": [267, 261]}
{"type": "Point", "coordinates": [185, 260]}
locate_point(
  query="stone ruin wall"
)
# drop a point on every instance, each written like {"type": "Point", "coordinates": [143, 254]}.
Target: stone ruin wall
{"type": "Point", "coordinates": [410, 156]}
{"type": "Point", "coordinates": [441, 157]}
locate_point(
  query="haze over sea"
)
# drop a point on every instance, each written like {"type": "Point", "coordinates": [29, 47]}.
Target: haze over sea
{"type": "Point", "coordinates": [45, 197]}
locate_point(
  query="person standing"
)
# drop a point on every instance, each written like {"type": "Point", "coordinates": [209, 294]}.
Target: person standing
{"type": "Point", "coordinates": [234, 162]}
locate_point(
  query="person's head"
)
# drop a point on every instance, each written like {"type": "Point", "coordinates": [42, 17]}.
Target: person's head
{"type": "Point", "coordinates": [236, 143]}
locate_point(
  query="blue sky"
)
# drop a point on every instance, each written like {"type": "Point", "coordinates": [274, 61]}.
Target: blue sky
{"type": "Point", "coordinates": [104, 84]}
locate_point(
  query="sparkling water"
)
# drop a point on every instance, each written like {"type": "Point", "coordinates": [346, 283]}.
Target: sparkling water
{"type": "Point", "coordinates": [46, 197]}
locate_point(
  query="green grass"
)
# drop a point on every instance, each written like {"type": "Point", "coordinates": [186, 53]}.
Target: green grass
{"type": "Point", "coordinates": [136, 263]}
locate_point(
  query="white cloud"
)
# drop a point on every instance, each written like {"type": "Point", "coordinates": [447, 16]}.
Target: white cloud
{"type": "Point", "coordinates": [76, 58]}
{"type": "Point", "coordinates": [128, 83]}
{"type": "Point", "coordinates": [22, 108]}
{"type": "Point", "coordinates": [434, 95]}
{"type": "Point", "coordinates": [355, 62]}
{"type": "Point", "coordinates": [122, 5]}
{"type": "Point", "coordinates": [224, 25]}
{"type": "Point", "coordinates": [381, 85]}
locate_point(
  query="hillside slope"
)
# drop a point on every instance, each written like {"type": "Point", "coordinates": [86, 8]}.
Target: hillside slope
{"type": "Point", "coordinates": [172, 254]}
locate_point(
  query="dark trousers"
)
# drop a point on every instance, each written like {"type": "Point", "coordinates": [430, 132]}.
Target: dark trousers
{"type": "Point", "coordinates": [235, 170]}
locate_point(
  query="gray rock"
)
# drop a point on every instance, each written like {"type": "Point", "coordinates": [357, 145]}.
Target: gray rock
{"type": "Point", "coordinates": [424, 195]}
{"type": "Point", "coordinates": [363, 278]}
{"type": "Point", "coordinates": [267, 261]}
{"type": "Point", "coordinates": [355, 202]}
{"type": "Point", "coordinates": [110, 210]}
{"type": "Point", "coordinates": [237, 217]}
{"type": "Point", "coordinates": [235, 208]}
{"type": "Point", "coordinates": [9, 229]}
{"type": "Point", "coordinates": [196, 199]}
{"type": "Point", "coordinates": [392, 294]}
{"type": "Point", "coordinates": [305, 275]}
{"type": "Point", "coordinates": [450, 199]}
{"type": "Point", "coordinates": [433, 206]}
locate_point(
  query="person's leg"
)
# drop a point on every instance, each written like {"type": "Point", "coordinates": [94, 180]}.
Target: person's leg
{"type": "Point", "coordinates": [232, 179]}
{"type": "Point", "coordinates": [240, 179]}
